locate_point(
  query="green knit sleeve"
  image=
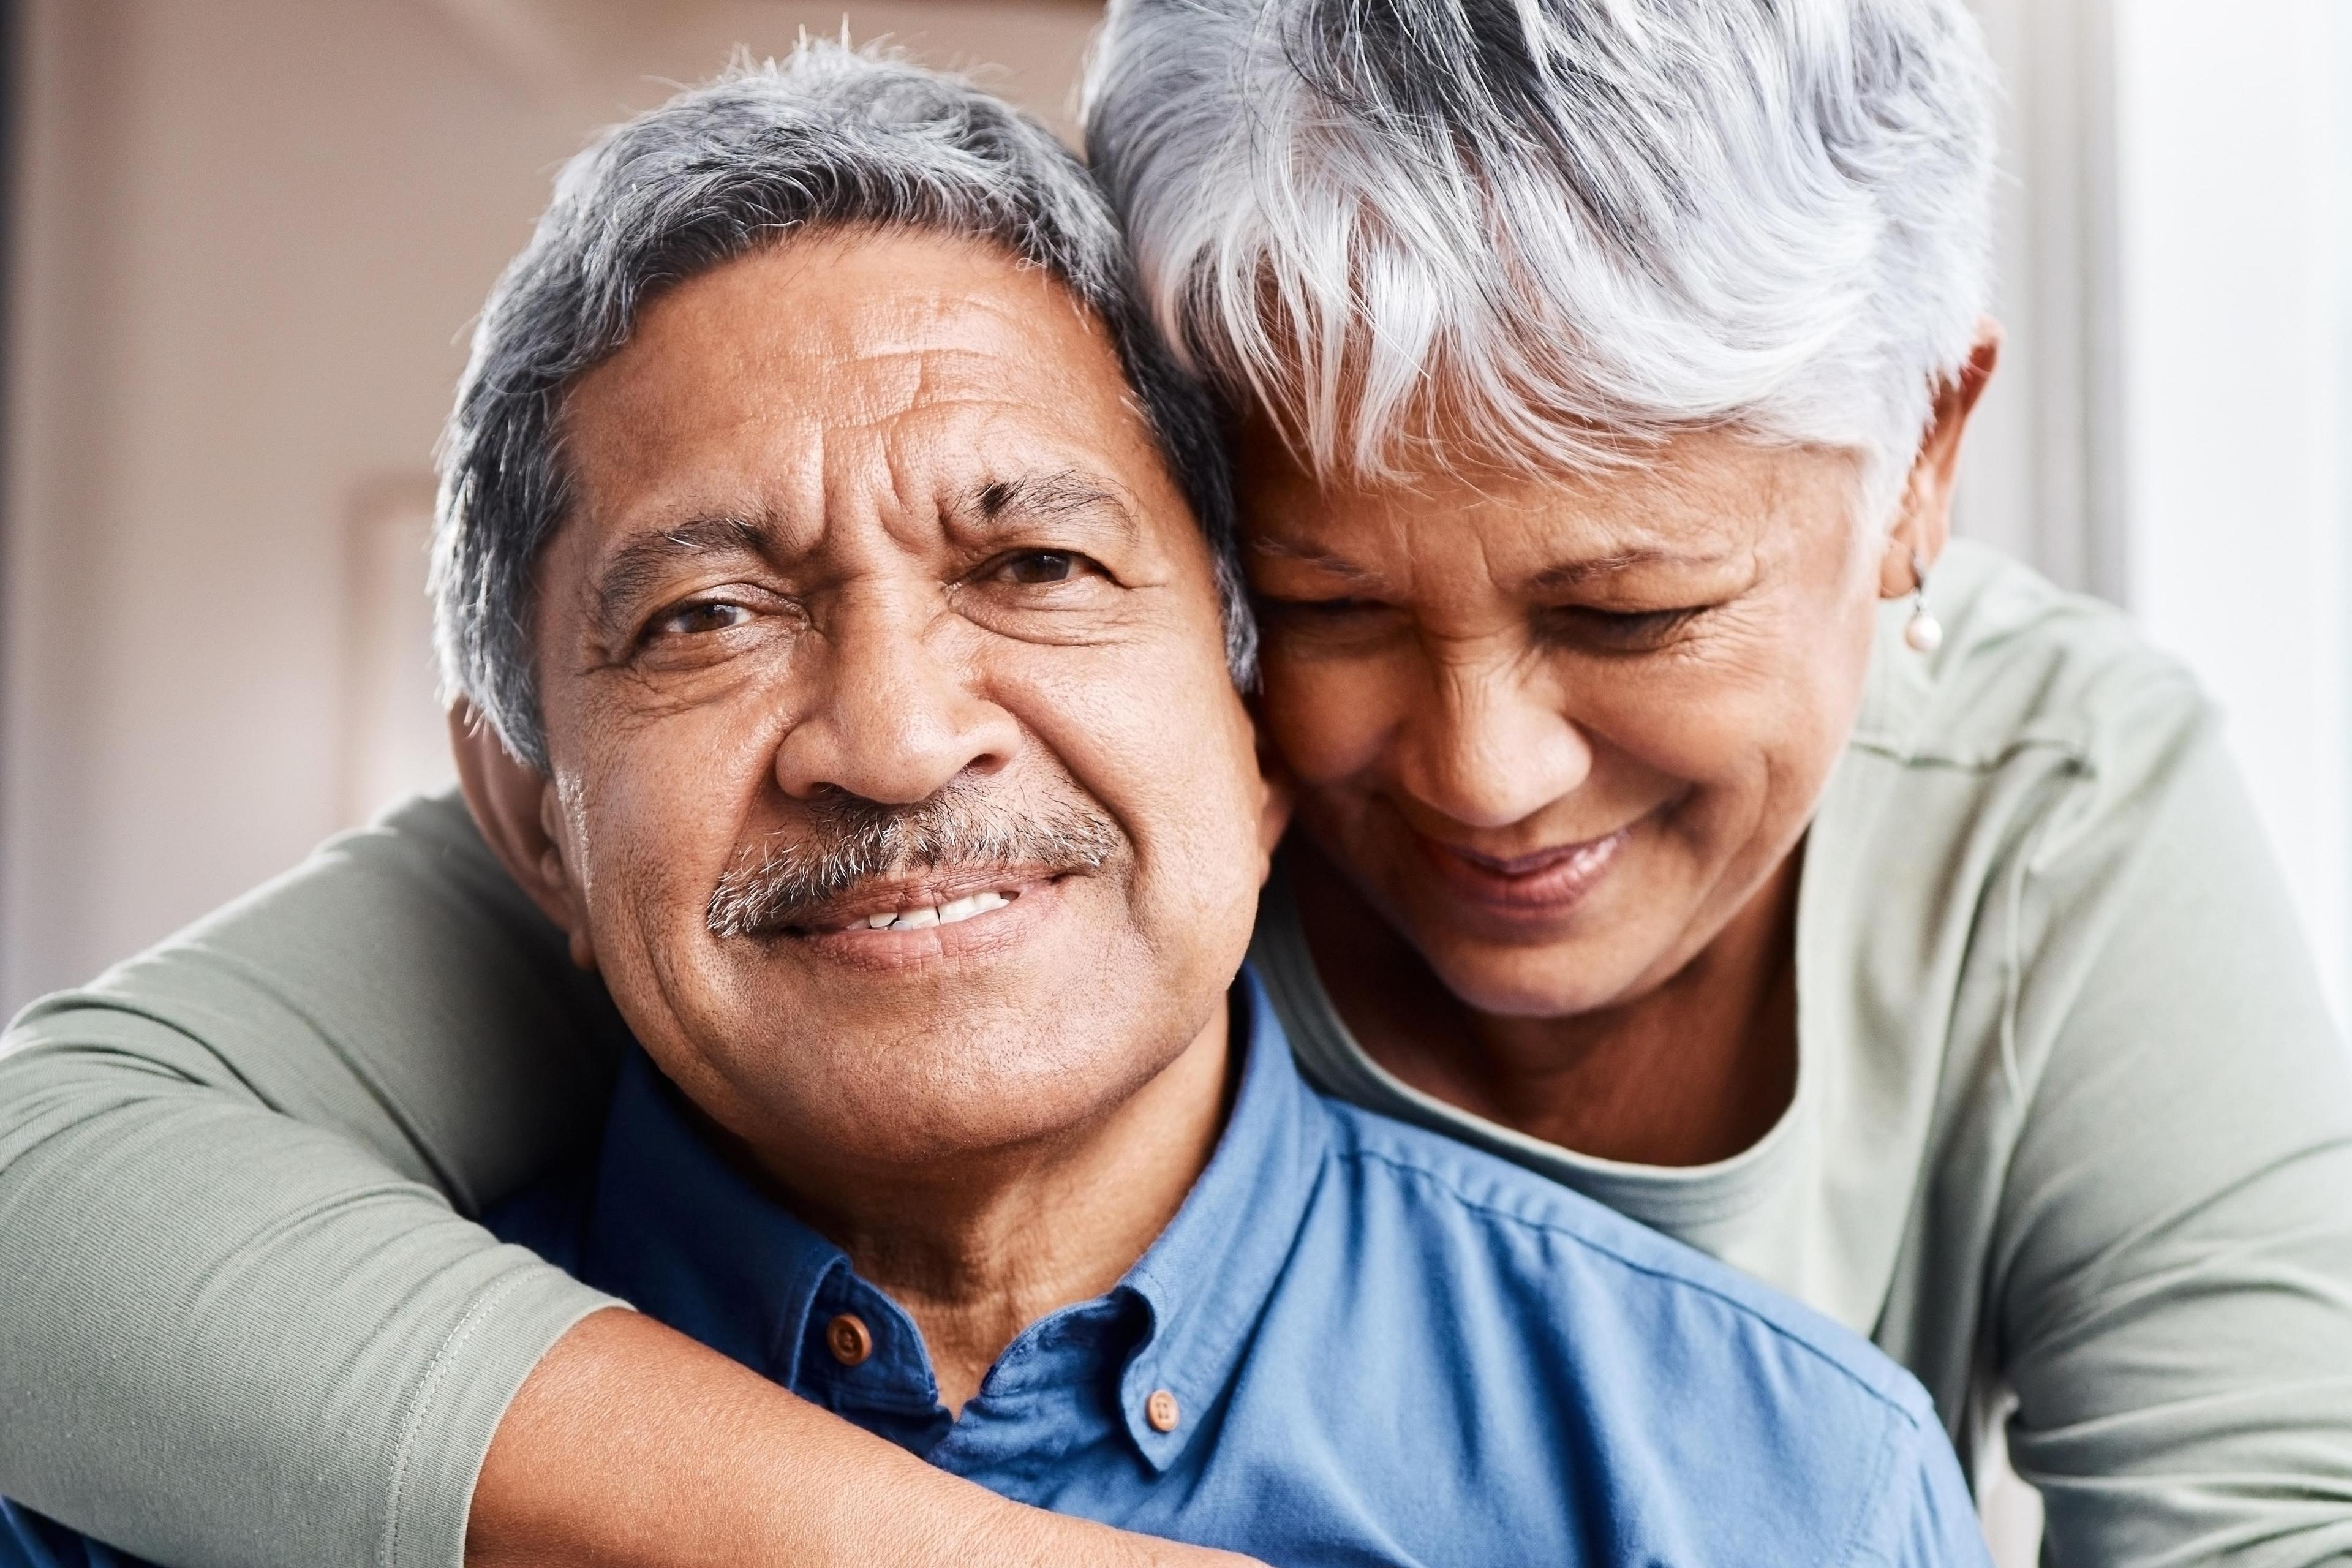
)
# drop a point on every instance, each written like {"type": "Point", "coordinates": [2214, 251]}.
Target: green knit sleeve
{"type": "Point", "coordinates": [248, 1319]}
{"type": "Point", "coordinates": [2172, 1264]}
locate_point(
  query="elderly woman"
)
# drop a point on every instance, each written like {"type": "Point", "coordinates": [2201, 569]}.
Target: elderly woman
{"type": "Point", "coordinates": [1679, 813]}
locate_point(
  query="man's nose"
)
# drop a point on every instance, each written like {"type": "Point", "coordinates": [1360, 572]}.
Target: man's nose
{"type": "Point", "coordinates": [894, 720]}
{"type": "Point", "coordinates": [1493, 748]}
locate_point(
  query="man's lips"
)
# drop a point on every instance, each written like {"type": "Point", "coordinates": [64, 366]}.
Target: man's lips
{"type": "Point", "coordinates": [940, 897]}
{"type": "Point", "coordinates": [1547, 882]}
{"type": "Point", "coordinates": [1000, 915]}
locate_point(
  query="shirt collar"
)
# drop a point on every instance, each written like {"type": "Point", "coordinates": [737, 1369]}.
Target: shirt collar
{"type": "Point", "coordinates": [683, 1236]}
{"type": "Point", "coordinates": [676, 1229]}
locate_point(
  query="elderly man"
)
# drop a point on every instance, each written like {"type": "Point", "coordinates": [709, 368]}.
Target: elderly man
{"type": "Point", "coordinates": [831, 558]}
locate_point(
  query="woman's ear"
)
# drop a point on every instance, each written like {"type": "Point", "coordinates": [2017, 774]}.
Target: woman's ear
{"type": "Point", "coordinates": [515, 806]}
{"type": "Point", "coordinates": [1925, 523]}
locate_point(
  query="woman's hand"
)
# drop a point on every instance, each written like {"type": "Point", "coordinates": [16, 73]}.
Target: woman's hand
{"type": "Point", "coordinates": [633, 1447]}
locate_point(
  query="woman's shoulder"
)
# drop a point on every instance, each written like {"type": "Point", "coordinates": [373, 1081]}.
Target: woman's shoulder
{"type": "Point", "coordinates": [2041, 747]}
{"type": "Point", "coordinates": [2028, 674]}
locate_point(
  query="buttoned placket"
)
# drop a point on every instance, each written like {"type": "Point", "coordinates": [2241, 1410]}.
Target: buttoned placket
{"type": "Point", "coordinates": [1152, 1358]}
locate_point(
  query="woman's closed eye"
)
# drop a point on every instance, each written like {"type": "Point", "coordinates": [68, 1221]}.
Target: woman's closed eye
{"type": "Point", "coordinates": [1341, 606]}
{"type": "Point", "coordinates": [1320, 612]}
{"type": "Point", "coordinates": [1619, 631]}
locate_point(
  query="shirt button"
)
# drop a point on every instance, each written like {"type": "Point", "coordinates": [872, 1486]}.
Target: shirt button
{"type": "Point", "coordinates": [850, 1339]}
{"type": "Point", "coordinates": [1161, 1411]}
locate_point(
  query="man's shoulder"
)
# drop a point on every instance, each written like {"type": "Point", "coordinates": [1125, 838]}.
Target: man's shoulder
{"type": "Point", "coordinates": [1596, 1372]}
{"type": "Point", "coordinates": [29, 1541]}
{"type": "Point", "coordinates": [1602, 1274]}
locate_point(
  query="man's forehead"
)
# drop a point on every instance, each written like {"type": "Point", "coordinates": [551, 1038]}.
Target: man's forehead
{"type": "Point", "coordinates": [861, 357]}
{"type": "Point", "coordinates": [836, 328]}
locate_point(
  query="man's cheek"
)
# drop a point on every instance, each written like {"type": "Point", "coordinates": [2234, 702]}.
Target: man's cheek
{"type": "Point", "coordinates": [659, 829]}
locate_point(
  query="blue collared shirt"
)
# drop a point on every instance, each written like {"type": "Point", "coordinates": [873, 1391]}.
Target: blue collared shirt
{"type": "Point", "coordinates": [1363, 1343]}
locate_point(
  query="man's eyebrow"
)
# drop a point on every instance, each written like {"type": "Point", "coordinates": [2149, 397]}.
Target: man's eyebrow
{"type": "Point", "coordinates": [646, 558]}
{"type": "Point", "coordinates": [1065, 493]}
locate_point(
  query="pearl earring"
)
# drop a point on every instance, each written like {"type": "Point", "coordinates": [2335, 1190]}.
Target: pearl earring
{"type": "Point", "coordinates": [1923, 632]}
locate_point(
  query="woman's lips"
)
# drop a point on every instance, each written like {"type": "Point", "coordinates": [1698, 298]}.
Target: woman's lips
{"type": "Point", "coordinates": [1548, 882]}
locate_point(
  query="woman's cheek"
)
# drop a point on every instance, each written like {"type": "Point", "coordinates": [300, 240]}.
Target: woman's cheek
{"type": "Point", "coordinates": [1328, 719]}
{"type": "Point", "coordinates": [1699, 742]}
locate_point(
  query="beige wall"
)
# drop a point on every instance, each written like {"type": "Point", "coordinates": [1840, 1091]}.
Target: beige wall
{"type": "Point", "coordinates": [251, 236]}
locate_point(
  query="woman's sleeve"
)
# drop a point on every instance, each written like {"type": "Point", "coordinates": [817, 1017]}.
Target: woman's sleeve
{"type": "Point", "coordinates": [244, 1316]}
{"type": "Point", "coordinates": [2173, 1268]}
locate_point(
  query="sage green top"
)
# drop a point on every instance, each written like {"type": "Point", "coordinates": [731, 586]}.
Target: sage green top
{"type": "Point", "coordinates": [2072, 1126]}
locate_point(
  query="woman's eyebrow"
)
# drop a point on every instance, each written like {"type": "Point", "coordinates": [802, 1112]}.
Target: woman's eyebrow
{"type": "Point", "coordinates": [644, 559]}
{"type": "Point", "coordinates": [1571, 573]}
{"type": "Point", "coordinates": [1310, 555]}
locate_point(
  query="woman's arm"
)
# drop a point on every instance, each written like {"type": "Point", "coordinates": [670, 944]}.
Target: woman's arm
{"type": "Point", "coordinates": [2173, 1267]}
{"type": "Point", "coordinates": [246, 1322]}
{"type": "Point", "coordinates": [632, 1444]}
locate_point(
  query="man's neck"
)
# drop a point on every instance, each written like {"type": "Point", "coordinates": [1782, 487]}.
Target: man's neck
{"type": "Point", "coordinates": [977, 1250]}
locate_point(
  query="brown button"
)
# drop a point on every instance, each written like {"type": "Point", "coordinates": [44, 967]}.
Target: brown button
{"type": "Point", "coordinates": [850, 1339]}
{"type": "Point", "coordinates": [1161, 1411]}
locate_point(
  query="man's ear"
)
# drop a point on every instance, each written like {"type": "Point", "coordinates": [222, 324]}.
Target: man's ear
{"type": "Point", "coordinates": [1925, 524]}
{"type": "Point", "coordinates": [1280, 792]}
{"type": "Point", "coordinates": [516, 808]}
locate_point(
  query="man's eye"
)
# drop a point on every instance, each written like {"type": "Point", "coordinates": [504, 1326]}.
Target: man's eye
{"type": "Point", "coordinates": [696, 620]}
{"type": "Point", "coordinates": [1037, 568]}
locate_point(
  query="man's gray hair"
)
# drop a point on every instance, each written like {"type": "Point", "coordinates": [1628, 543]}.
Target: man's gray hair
{"type": "Point", "coordinates": [1553, 231]}
{"type": "Point", "coordinates": [826, 138]}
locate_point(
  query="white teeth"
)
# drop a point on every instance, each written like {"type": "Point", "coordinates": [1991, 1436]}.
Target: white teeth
{"type": "Point", "coordinates": [972, 904]}
{"type": "Point", "coordinates": [930, 915]}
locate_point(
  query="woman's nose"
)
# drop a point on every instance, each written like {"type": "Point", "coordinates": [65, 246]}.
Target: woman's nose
{"type": "Point", "coordinates": [893, 719]}
{"type": "Point", "coordinates": [1491, 748]}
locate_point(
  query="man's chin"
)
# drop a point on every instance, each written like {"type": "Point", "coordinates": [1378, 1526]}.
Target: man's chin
{"type": "Point", "coordinates": [955, 1097]}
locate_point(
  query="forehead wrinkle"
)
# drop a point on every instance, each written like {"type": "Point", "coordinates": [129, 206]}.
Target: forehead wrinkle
{"type": "Point", "coordinates": [933, 341]}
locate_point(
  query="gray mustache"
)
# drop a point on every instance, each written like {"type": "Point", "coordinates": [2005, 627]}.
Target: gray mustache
{"type": "Point", "coordinates": [847, 841]}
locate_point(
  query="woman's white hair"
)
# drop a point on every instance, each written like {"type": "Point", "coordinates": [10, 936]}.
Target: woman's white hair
{"type": "Point", "coordinates": [1557, 230]}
